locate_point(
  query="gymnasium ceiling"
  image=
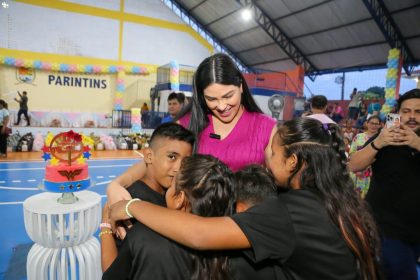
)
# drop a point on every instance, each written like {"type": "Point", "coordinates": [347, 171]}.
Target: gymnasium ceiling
{"type": "Point", "coordinates": [326, 35]}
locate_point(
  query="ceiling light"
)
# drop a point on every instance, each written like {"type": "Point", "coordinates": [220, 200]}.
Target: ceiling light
{"type": "Point", "coordinates": [246, 14]}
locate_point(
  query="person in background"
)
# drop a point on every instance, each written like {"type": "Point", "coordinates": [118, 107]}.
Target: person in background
{"type": "Point", "coordinates": [317, 229]}
{"type": "Point", "coordinates": [23, 108]}
{"type": "Point", "coordinates": [348, 131]}
{"type": "Point", "coordinates": [362, 178]}
{"type": "Point", "coordinates": [319, 105]}
{"type": "Point", "coordinates": [144, 108]}
{"type": "Point", "coordinates": [394, 191]}
{"type": "Point", "coordinates": [4, 121]}
{"type": "Point", "coordinates": [374, 108]}
{"type": "Point", "coordinates": [337, 113]}
{"type": "Point", "coordinates": [175, 103]}
{"type": "Point", "coordinates": [355, 100]}
{"type": "Point", "coordinates": [361, 118]}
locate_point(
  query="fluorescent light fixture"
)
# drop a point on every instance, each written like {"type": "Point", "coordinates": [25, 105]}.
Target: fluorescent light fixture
{"type": "Point", "coordinates": [246, 14]}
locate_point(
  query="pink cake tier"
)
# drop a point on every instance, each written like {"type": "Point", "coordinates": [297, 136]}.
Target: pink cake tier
{"type": "Point", "coordinates": [64, 178]}
{"type": "Point", "coordinates": [66, 173]}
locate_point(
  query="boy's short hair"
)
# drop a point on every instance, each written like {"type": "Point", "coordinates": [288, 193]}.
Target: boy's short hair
{"type": "Point", "coordinates": [179, 96]}
{"type": "Point", "coordinates": [319, 102]}
{"type": "Point", "coordinates": [172, 131]}
{"type": "Point", "coordinates": [414, 93]}
{"type": "Point", "coordinates": [254, 184]}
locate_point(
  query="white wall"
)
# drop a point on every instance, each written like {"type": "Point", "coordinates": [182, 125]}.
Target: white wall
{"type": "Point", "coordinates": [54, 31]}
{"type": "Point", "coordinates": [151, 8]}
{"type": "Point", "coordinates": [38, 29]}
{"type": "Point", "coordinates": [154, 45]}
{"type": "Point", "coordinates": [105, 4]}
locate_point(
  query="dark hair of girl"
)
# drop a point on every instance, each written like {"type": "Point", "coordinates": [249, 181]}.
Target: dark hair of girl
{"type": "Point", "coordinates": [209, 187]}
{"type": "Point", "coordinates": [312, 130]}
{"type": "Point", "coordinates": [218, 68]}
{"type": "Point", "coordinates": [324, 172]}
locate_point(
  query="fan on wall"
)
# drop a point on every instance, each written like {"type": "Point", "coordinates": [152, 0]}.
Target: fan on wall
{"type": "Point", "coordinates": [276, 104]}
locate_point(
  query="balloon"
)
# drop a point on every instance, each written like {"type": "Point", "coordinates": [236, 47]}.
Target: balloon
{"type": "Point", "coordinates": [112, 69]}
{"type": "Point", "coordinates": [37, 64]}
{"type": "Point", "coordinates": [88, 68]}
{"type": "Point", "coordinates": [64, 67]}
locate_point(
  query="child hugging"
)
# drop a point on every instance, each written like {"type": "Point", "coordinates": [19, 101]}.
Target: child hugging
{"type": "Point", "coordinates": [204, 186]}
{"type": "Point", "coordinates": [317, 228]}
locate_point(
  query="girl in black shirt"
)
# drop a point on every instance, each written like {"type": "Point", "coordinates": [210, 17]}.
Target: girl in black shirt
{"type": "Point", "coordinates": [318, 229]}
{"type": "Point", "coordinates": [204, 186]}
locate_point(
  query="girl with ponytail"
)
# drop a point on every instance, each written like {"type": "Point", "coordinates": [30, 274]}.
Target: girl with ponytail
{"type": "Point", "coordinates": [204, 186]}
{"type": "Point", "coordinates": [312, 230]}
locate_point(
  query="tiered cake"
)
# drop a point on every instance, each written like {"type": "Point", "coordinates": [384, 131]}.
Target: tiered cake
{"type": "Point", "coordinates": [66, 170]}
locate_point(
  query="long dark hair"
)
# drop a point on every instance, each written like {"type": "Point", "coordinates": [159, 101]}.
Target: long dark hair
{"type": "Point", "coordinates": [323, 171]}
{"type": "Point", "coordinates": [209, 187]}
{"type": "Point", "coordinates": [218, 68]}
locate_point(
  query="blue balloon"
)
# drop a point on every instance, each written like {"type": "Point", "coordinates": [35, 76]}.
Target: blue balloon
{"type": "Point", "coordinates": [88, 68]}
{"type": "Point", "coordinates": [113, 69]}
{"type": "Point", "coordinates": [135, 69]}
{"type": "Point", "coordinates": [120, 88]}
{"type": "Point", "coordinates": [37, 64]}
{"type": "Point", "coordinates": [9, 61]}
{"type": "Point", "coordinates": [64, 67]}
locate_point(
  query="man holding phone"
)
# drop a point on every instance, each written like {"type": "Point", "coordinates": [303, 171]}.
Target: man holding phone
{"type": "Point", "coordinates": [394, 192]}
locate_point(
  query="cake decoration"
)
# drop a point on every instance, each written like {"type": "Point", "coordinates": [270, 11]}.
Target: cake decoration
{"type": "Point", "coordinates": [66, 170]}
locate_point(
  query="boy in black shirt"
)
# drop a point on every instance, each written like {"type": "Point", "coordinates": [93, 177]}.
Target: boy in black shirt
{"type": "Point", "coordinates": [254, 185]}
{"type": "Point", "coordinates": [169, 145]}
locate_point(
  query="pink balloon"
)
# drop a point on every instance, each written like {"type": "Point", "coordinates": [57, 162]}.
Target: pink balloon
{"type": "Point", "coordinates": [19, 62]}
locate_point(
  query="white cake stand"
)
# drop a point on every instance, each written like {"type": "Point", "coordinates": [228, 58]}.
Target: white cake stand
{"type": "Point", "coordinates": [63, 234]}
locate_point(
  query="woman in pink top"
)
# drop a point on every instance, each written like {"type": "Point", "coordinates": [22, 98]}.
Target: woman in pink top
{"type": "Point", "coordinates": [224, 116]}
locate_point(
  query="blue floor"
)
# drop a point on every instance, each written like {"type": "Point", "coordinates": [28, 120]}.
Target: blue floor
{"type": "Point", "coordinates": [18, 181]}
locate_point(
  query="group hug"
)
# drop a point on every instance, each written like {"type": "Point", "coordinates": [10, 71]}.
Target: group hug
{"type": "Point", "coordinates": [224, 192]}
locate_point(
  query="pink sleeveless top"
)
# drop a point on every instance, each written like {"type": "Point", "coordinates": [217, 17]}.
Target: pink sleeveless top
{"type": "Point", "coordinates": [244, 145]}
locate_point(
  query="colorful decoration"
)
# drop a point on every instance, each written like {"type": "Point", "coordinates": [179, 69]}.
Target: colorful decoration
{"type": "Point", "coordinates": [88, 142]}
{"type": "Point", "coordinates": [72, 68]}
{"type": "Point", "coordinates": [136, 120]}
{"type": "Point", "coordinates": [392, 80]}
{"type": "Point", "coordinates": [54, 161]}
{"type": "Point", "coordinates": [174, 75]}
{"type": "Point", "coordinates": [66, 147]}
{"type": "Point", "coordinates": [48, 139]}
{"type": "Point", "coordinates": [120, 90]}
{"type": "Point", "coordinates": [82, 68]}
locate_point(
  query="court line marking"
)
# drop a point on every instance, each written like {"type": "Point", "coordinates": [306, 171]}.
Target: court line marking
{"type": "Point", "coordinates": [43, 168]}
{"type": "Point", "coordinates": [21, 202]}
{"type": "Point", "coordinates": [90, 160]}
{"type": "Point", "coordinates": [38, 189]}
